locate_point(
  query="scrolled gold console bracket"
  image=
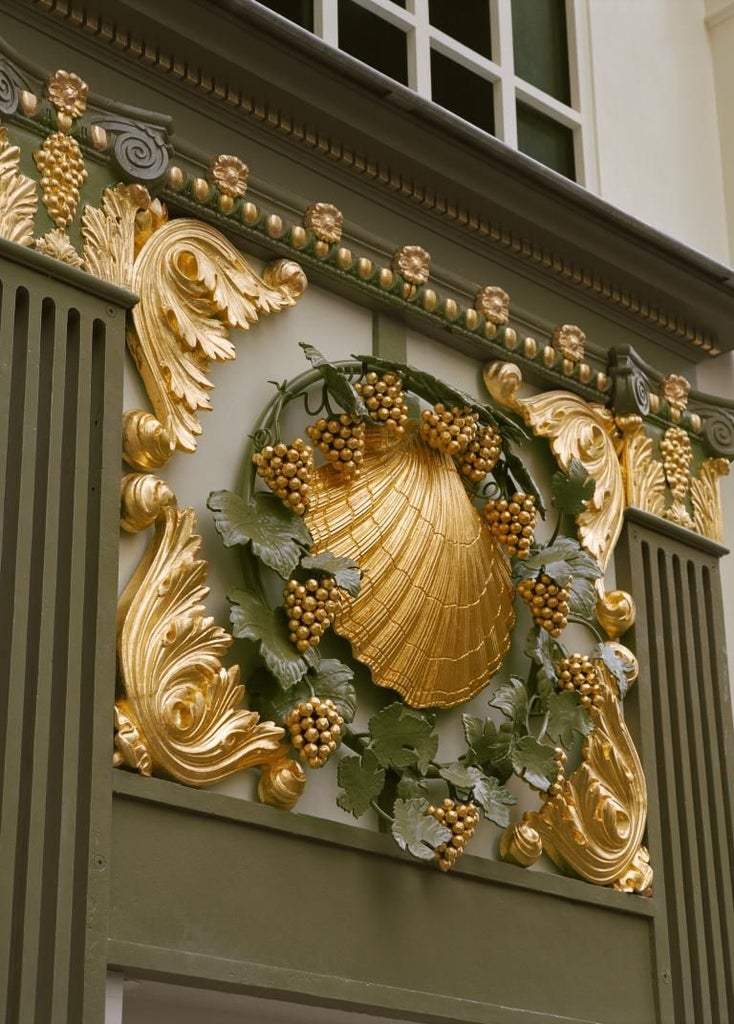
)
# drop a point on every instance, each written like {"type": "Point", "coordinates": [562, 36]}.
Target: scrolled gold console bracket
{"type": "Point", "coordinates": [179, 714]}
{"type": "Point", "coordinates": [595, 825]}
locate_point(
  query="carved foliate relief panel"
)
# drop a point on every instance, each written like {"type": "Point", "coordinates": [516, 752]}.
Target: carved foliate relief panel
{"type": "Point", "coordinates": [407, 507]}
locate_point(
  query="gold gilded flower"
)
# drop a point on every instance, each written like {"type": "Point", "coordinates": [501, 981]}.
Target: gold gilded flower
{"type": "Point", "coordinates": [281, 783]}
{"type": "Point", "coordinates": [674, 390]}
{"type": "Point", "coordinates": [493, 303]}
{"type": "Point", "coordinates": [229, 174]}
{"type": "Point", "coordinates": [68, 93]}
{"type": "Point", "coordinates": [570, 341]}
{"type": "Point", "coordinates": [413, 262]}
{"type": "Point", "coordinates": [325, 221]}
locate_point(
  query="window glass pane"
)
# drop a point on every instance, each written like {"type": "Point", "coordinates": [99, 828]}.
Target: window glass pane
{"type": "Point", "coordinates": [468, 22]}
{"type": "Point", "coordinates": [371, 39]}
{"type": "Point", "coordinates": [462, 92]}
{"type": "Point", "coordinates": [545, 140]}
{"type": "Point", "coordinates": [541, 45]}
{"type": "Point", "coordinates": [300, 11]}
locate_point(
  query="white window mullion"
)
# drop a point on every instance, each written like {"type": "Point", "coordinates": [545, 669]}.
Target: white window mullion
{"type": "Point", "coordinates": [582, 93]}
{"type": "Point", "coordinates": [419, 49]}
{"type": "Point", "coordinates": [326, 21]}
{"type": "Point", "coordinates": [505, 115]}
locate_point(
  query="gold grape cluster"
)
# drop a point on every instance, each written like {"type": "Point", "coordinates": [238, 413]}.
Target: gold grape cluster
{"type": "Point", "coordinates": [449, 430]}
{"type": "Point", "coordinates": [315, 728]}
{"type": "Point", "coordinates": [462, 819]}
{"type": "Point", "coordinates": [548, 602]}
{"type": "Point", "coordinates": [310, 608]}
{"type": "Point", "coordinates": [512, 522]}
{"type": "Point", "coordinates": [286, 470]}
{"type": "Point", "coordinates": [556, 787]}
{"type": "Point", "coordinates": [481, 454]}
{"type": "Point", "coordinates": [63, 173]}
{"type": "Point", "coordinates": [677, 458]}
{"type": "Point", "coordinates": [341, 441]}
{"type": "Point", "coordinates": [576, 672]}
{"type": "Point", "coordinates": [384, 398]}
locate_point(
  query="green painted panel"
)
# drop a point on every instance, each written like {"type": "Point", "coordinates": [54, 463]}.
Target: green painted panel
{"type": "Point", "coordinates": [202, 886]}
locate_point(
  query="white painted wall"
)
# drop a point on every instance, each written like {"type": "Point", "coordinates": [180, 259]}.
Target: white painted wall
{"type": "Point", "coordinates": [656, 117]}
{"type": "Point", "coordinates": [720, 21]}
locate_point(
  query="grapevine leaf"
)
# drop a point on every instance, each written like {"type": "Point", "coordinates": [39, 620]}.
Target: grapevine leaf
{"type": "Point", "coordinates": [512, 700]}
{"type": "Point", "coordinates": [573, 489]}
{"type": "Point", "coordinates": [563, 559]}
{"type": "Point", "coordinates": [278, 536]}
{"type": "Point", "coordinates": [488, 745]}
{"type": "Point", "coordinates": [344, 570]}
{"type": "Point", "coordinates": [565, 717]}
{"type": "Point", "coordinates": [362, 780]}
{"type": "Point", "coordinates": [415, 831]}
{"type": "Point", "coordinates": [253, 620]}
{"type": "Point", "coordinates": [411, 786]}
{"type": "Point", "coordinates": [480, 734]}
{"type": "Point", "coordinates": [494, 800]}
{"type": "Point", "coordinates": [265, 696]}
{"type": "Point", "coordinates": [583, 598]}
{"type": "Point", "coordinates": [616, 665]}
{"type": "Point", "coordinates": [402, 737]}
{"type": "Point", "coordinates": [434, 390]}
{"type": "Point", "coordinates": [545, 651]}
{"type": "Point", "coordinates": [461, 775]}
{"type": "Point", "coordinates": [522, 479]}
{"type": "Point", "coordinates": [534, 762]}
{"type": "Point", "coordinates": [332, 680]}
{"type": "Point", "coordinates": [338, 384]}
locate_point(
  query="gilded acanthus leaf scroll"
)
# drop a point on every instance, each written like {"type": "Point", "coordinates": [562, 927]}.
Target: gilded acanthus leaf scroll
{"type": "Point", "coordinates": [706, 498]}
{"type": "Point", "coordinates": [18, 196]}
{"type": "Point", "coordinates": [180, 716]}
{"type": "Point", "coordinates": [595, 825]}
{"type": "Point", "coordinates": [579, 430]}
{"type": "Point", "coordinates": [193, 287]}
{"type": "Point", "coordinates": [109, 233]}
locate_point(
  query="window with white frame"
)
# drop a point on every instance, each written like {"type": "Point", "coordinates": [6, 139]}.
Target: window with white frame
{"type": "Point", "coordinates": [513, 68]}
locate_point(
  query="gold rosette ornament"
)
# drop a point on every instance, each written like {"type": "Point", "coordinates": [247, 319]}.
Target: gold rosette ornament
{"type": "Point", "coordinates": [68, 93]}
{"type": "Point", "coordinates": [325, 221]}
{"type": "Point", "coordinates": [229, 174]}
{"type": "Point", "coordinates": [494, 304]}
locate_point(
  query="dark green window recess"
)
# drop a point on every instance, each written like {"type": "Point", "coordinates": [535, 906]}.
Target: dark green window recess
{"type": "Point", "coordinates": [467, 23]}
{"type": "Point", "coordinates": [373, 40]}
{"type": "Point", "coordinates": [298, 11]}
{"type": "Point", "coordinates": [540, 43]}
{"type": "Point", "coordinates": [546, 140]}
{"type": "Point", "coordinates": [462, 92]}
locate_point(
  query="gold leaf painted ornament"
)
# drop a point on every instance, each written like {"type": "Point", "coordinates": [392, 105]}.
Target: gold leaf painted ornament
{"type": "Point", "coordinates": [435, 611]}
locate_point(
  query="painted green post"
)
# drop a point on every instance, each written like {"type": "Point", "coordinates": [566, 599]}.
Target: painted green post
{"type": "Point", "coordinates": [61, 346]}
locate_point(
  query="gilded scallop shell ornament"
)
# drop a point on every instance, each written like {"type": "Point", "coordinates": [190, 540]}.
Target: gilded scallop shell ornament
{"type": "Point", "coordinates": [435, 610]}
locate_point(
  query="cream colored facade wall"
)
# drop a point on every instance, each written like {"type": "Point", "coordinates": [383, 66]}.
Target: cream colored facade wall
{"type": "Point", "coordinates": [720, 20]}
{"type": "Point", "coordinates": [657, 131]}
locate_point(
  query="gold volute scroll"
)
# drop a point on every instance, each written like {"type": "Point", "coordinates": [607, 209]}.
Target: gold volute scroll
{"type": "Point", "coordinates": [579, 430]}
{"type": "Point", "coordinates": [435, 609]}
{"type": "Point", "coordinates": [595, 825]}
{"type": "Point", "coordinates": [179, 715]}
{"type": "Point", "coordinates": [193, 287]}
